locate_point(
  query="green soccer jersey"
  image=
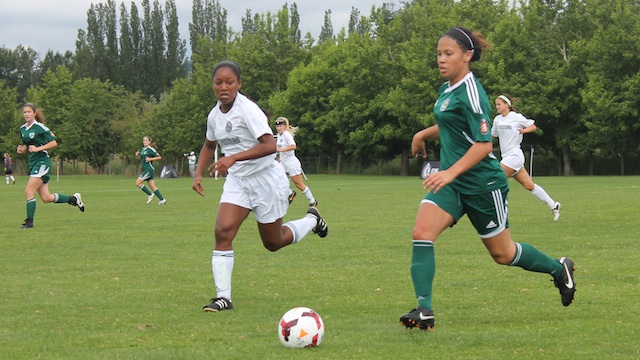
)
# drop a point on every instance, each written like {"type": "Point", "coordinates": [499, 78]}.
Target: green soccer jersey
{"type": "Point", "coordinates": [148, 151]}
{"type": "Point", "coordinates": [462, 113]}
{"type": "Point", "coordinates": [37, 134]}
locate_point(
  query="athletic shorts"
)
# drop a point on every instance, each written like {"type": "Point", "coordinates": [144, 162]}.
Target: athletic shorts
{"type": "Point", "coordinates": [265, 193]}
{"type": "Point", "coordinates": [42, 170]}
{"type": "Point", "coordinates": [8, 172]}
{"type": "Point", "coordinates": [146, 175]}
{"type": "Point", "coordinates": [487, 211]}
{"type": "Point", "coordinates": [292, 166]}
{"type": "Point", "coordinates": [514, 160]}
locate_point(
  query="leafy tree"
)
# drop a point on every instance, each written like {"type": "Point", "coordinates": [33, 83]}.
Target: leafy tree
{"type": "Point", "coordinates": [9, 135]}
{"type": "Point", "coordinates": [326, 32]}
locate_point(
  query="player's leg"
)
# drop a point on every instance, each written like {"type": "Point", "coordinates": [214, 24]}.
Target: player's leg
{"type": "Point", "coordinates": [30, 190]}
{"type": "Point", "coordinates": [434, 216]}
{"type": "Point", "coordinates": [491, 208]}
{"type": "Point", "coordinates": [156, 191]}
{"type": "Point", "coordinates": [228, 221]}
{"type": "Point", "coordinates": [299, 183]}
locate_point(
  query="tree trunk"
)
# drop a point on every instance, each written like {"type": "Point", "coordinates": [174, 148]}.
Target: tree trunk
{"type": "Point", "coordinates": [621, 163]}
{"type": "Point", "coordinates": [591, 164]}
{"type": "Point", "coordinates": [566, 160]}
{"type": "Point", "coordinates": [404, 171]}
{"type": "Point", "coordinates": [339, 162]}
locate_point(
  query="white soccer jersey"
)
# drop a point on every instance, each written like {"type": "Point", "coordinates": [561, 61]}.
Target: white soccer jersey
{"type": "Point", "coordinates": [507, 130]}
{"type": "Point", "coordinates": [285, 140]}
{"type": "Point", "coordinates": [238, 130]}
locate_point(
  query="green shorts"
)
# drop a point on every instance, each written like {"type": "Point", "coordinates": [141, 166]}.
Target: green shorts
{"type": "Point", "coordinates": [487, 211]}
{"type": "Point", "coordinates": [41, 169]}
{"type": "Point", "coordinates": [146, 175]}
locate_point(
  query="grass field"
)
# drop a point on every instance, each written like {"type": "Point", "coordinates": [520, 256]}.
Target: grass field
{"type": "Point", "coordinates": [126, 280]}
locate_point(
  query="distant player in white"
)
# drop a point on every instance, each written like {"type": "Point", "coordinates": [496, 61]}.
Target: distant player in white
{"type": "Point", "coordinates": [509, 127]}
{"type": "Point", "coordinates": [255, 181]}
{"type": "Point", "coordinates": [287, 151]}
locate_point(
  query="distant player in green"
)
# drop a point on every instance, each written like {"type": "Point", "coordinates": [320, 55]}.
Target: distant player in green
{"type": "Point", "coordinates": [470, 181]}
{"type": "Point", "coordinates": [36, 140]}
{"type": "Point", "coordinates": [148, 155]}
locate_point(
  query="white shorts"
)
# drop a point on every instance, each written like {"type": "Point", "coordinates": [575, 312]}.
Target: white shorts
{"type": "Point", "coordinates": [514, 160]}
{"type": "Point", "coordinates": [292, 166]}
{"type": "Point", "coordinates": [265, 193]}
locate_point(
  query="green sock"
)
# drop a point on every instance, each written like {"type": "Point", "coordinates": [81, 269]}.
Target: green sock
{"type": "Point", "coordinates": [532, 259]}
{"type": "Point", "coordinates": [157, 192]}
{"type": "Point", "coordinates": [31, 208]}
{"type": "Point", "coordinates": [61, 198]}
{"type": "Point", "coordinates": [423, 269]}
{"type": "Point", "coordinates": [144, 188]}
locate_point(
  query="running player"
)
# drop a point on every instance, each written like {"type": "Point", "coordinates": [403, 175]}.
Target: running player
{"type": "Point", "coordinates": [286, 147]}
{"type": "Point", "coordinates": [37, 139]}
{"type": "Point", "coordinates": [147, 156]}
{"type": "Point", "coordinates": [8, 169]}
{"type": "Point", "coordinates": [470, 181]}
{"type": "Point", "coordinates": [508, 127]}
{"type": "Point", "coordinates": [255, 181]}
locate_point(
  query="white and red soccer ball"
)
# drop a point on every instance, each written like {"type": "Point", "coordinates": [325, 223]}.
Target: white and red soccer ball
{"type": "Point", "coordinates": [301, 327]}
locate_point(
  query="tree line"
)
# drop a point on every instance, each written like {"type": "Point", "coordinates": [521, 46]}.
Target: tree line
{"type": "Point", "coordinates": [358, 94]}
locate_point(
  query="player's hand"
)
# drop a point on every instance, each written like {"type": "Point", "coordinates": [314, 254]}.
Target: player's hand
{"type": "Point", "coordinates": [32, 149]}
{"type": "Point", "coordinates": [197, 185]}
{"type": "Point", "coordinates": [418, 147]}
{"type": "Point", "coordinates": [436, 181]}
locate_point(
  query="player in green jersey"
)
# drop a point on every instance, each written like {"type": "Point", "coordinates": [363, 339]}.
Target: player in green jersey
{"type": "Point", "coordinates": [148, 155]}
{"type": "Point", "coordinates": [470, 180]}
{"type": "Point", "coordinates": [37, 139]}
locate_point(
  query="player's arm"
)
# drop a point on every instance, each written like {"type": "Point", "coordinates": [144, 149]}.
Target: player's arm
{"type": "Point", "coordinates": [529, 129]}
{"type": "Point", "coordinates": [206, 155]}
{"type": "Point", "coordinates": [50, 145]}
{"type": "Point", "coordinates": [266, 145]}
{"type": "Point", "coordinates": [418, 142]}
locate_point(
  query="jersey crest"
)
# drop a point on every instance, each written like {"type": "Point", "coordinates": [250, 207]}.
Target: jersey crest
{"type": "Point", "coordinates": [444, 105]}
{"type": "Point", "coordinates": [228, 127]}
{"type": "Point", "coordinates": [484, 127]}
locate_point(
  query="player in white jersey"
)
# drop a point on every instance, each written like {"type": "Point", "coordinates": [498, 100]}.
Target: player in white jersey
{"type": "Point", "coordinates": [255, 181]}
{"type": "Point", "coordinates": [509, 126]}
{"type": "Point", "coordinates": [286, 147]}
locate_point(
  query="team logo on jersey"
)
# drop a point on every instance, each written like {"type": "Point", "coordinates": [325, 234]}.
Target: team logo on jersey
{"type": "Point", "coordinates": [444, 105]}
{"type": "Point", "coordinates": [229, 127]}
{"type": "Point", "coordinates": [32, 135]}
{"type": "Point", "coordinates": [484, 127]}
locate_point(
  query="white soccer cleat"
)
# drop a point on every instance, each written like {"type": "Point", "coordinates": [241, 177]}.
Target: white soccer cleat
{"type": "Point", "coordinates": [150, 198]}
{"type": "Point", "coordinates": [556, 211]}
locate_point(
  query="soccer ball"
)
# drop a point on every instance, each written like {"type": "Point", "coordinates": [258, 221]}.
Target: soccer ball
{"type": "Point", "coordinates": [301, 327]}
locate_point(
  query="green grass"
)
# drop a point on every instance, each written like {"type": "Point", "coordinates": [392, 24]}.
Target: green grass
{"type": "Point", "coordinates": [126, 280]}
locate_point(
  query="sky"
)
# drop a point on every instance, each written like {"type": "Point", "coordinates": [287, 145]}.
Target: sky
{"type": "Point", "coordinates": [53, 24]}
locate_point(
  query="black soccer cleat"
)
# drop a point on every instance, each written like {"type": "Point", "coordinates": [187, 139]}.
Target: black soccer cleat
{"type": "Point", "coordinates": [422, 318]}
{"type": "Point", "coordinates": [322, 229]}
{"type": "Point", "coordinates": [218, 304]}
{"type": "Point", "coordinates": [27, 224]}
{"type": "Point", "coordinates": [565, 282]}
{"type": "Point", "coordinates": [291, 196]}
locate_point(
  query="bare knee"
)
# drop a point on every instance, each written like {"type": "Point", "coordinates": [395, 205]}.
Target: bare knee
{"type": "Point", "coordinates": [271, 246]}
{"type": "Point", "coordinates": [502, 258]}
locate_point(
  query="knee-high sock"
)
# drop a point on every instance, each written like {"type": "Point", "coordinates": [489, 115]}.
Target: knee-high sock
{"type": "Point", "coordinates": [532, 259]}
{"type": "Point", "coordinates": [423, 269]}
{"type": "Point", "coordinates": [31, 208]}
{"type": "Point", "coordinates": [144, 188]}
{"type": "Point", "coordinates": [222, 268]}
{"type": "Point", "coordinates": [301, 227]}
{"type": "Point", "coordinates": [309, 195]}
{"type": "Point", "coordinates": [539, 192]}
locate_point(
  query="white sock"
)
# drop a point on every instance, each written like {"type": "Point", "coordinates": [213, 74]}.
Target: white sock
{"type": "Point", "coordinates": [301, 227]}
{"type": "Point", "coordinates": [539, 192]}
{"type": "Point", "coordinates": [222, 267]}
{"type": "Point", "coordinates": [309, 195]}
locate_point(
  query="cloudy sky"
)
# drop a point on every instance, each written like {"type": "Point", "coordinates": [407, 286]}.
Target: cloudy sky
{"type": "Point", "coordinates": [53, 24]}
